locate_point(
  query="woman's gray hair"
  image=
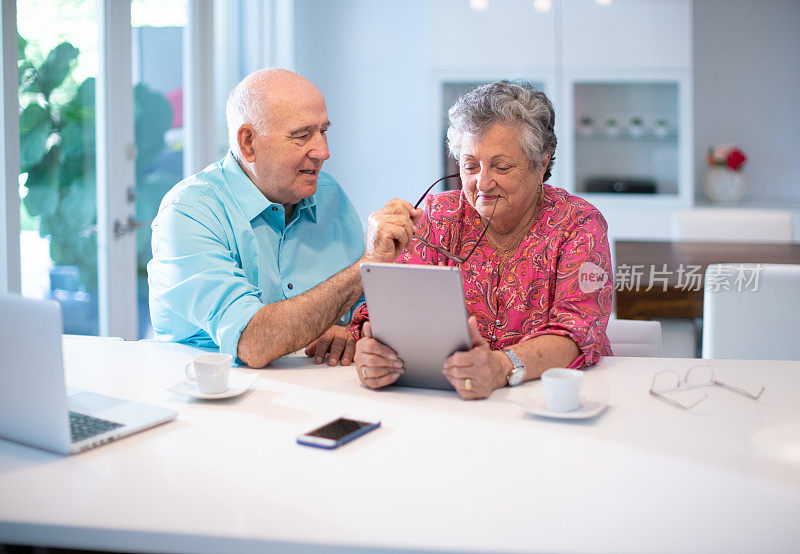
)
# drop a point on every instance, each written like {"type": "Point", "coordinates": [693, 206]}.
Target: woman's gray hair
{"type": "Point", "coordinates": [510, 102]}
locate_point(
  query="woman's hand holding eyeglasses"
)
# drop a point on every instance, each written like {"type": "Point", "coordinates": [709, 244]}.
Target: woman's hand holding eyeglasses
{"type": "Point", "coordinates": [475, 373]}
{"type": "Point", "coordinates": [377, 365]}
{"type": "Point", "coordinates": [389, 230]}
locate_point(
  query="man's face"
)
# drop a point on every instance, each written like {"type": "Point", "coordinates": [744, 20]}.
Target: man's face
{"type": "Point", "coordinates": [289, 156]}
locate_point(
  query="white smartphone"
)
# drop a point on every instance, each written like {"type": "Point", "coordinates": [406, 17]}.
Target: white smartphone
{"type": "Point", "coordinates": [337, 432]}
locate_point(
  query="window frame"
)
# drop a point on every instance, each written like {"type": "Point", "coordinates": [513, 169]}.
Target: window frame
{"type": "Point", "coordinates": [10, 270]}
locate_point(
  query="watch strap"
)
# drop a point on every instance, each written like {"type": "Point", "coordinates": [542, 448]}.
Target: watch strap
{"type": "Point", "coordinates": [518, 372]}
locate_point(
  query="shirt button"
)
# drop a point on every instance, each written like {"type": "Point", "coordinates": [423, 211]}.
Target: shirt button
{"type": "Point", "coordinates": [494, 338]}
{"type": "Point", "coordinates": [274, 208]}
{"type": "Point", "coordinates": [497, 322]}
{"type": "Point", "coordinates": [290, 286]}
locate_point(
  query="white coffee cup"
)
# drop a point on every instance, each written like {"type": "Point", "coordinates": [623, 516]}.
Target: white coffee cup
{"type": "Point", "coordinates": [562, 389]}
{"type": "Point", "coordinates": [211, 372]}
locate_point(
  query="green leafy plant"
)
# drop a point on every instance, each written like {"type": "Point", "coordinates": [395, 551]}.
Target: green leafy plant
{"type": "Point", "coordinates": [57, 158]}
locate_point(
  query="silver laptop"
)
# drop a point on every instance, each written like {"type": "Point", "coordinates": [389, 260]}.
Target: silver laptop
{"type": "Point", "coordinates": [34, 406]}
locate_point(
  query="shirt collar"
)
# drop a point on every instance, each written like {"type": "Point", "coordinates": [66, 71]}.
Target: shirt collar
{"type": "Point", "coordinates": [307, 206]}
{"type": "Point", "coordinates": [251, 200]}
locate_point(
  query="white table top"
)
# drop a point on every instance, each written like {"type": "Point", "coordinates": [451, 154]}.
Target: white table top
{"type": "Point", "coordinates": [440, 474]}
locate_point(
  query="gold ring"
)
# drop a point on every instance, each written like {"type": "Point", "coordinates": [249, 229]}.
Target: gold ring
{"type": "Point", "coordinates": [468, 383]}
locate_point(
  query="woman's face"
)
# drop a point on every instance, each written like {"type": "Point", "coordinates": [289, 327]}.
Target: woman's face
{"type": "Point", "coordinates": [494, 168]}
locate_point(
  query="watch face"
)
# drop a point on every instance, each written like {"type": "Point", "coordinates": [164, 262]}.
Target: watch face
{"type": "Point", "coordinates": [516, 377]}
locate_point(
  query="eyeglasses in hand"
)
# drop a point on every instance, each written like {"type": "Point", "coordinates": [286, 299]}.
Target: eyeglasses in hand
{"type": "Point", "coordinates": [456, 258]}
{"type": "Point", "coordinates": [696, 376]}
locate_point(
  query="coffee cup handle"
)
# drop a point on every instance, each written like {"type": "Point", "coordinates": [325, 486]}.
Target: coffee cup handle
{"type": "Point", "coordinates": [189, 370]}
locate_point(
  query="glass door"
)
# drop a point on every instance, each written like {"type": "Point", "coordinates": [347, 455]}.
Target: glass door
{"type": "Point", "coordinates": [102, 93]}
{"type": "Point", "coordinates": [57, 59]}
{"type": "Point", "coordinates": [157, 30]}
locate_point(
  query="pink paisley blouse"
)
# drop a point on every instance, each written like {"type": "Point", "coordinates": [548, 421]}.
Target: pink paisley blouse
{"type": "Point", "coordinates": [557, 283]}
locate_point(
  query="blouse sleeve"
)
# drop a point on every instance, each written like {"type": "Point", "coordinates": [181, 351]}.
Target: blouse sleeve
{"type": "Point", "coordinates": [581, 293]}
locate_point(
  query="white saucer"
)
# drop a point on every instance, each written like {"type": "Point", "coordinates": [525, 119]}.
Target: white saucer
{"type": "Point", "coordinates": [238, 383]}
{"type": "Point", "coordinates": [537, 406]}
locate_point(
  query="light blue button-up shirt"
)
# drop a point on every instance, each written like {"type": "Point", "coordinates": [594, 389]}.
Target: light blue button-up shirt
{"type": "Point", "coordinates": [221, 251]}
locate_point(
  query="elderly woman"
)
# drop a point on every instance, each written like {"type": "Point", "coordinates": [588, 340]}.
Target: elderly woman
{"type": "Point", "coordinates": [538, 284]}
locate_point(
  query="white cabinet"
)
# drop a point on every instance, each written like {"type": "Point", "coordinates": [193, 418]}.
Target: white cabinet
{"type": "Point", "coordinates": [626, 34]}
{"type": "Point", "coordinates": [627, 67]}
{"type": "Point", "coordinates": [508, 34]}
{"type": "Point", "coordinates": [628, 129]}
{"type": "Point", "coordinates": [628, 61]}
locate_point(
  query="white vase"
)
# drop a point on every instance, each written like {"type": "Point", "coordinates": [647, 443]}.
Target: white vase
{"type": "Point", "coordinates": [636, 131]}
{"type": "Point", "coordinates": [723, 185]}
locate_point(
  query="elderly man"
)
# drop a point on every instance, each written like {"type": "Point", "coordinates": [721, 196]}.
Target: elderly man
{"type": "Point", "coordinates": [258, 254]}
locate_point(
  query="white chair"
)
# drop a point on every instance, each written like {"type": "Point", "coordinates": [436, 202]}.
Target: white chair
{"type": "Point", "coordinates": [752, 311]}
{"type": "Point", "coordinates": [629, 337]}
{"type": "Point", "coordinates": [732, 225]}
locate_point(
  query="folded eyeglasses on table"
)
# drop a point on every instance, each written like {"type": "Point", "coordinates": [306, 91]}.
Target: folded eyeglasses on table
{"type": "Point", "coordinates": [698, 376]}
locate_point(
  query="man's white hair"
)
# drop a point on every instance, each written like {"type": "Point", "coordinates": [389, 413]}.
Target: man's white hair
{"type": "Point", "coordinates": [244, 105]}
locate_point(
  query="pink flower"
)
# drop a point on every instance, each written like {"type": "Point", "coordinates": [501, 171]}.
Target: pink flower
{"type": "Point", "coordinates": [721, 152]}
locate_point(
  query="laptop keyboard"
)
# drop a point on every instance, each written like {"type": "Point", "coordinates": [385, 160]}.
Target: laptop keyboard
{"type": "Point", "coordinates": [82, 426]}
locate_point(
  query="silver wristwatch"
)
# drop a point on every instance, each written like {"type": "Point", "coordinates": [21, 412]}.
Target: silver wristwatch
{"type": "Point", "coordinates": [518, 373]}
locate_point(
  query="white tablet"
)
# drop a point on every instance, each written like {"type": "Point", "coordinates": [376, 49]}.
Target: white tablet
{"type": "Point", "coordinates": [419, 312]}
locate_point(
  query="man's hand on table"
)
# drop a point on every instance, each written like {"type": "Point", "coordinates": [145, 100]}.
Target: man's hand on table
{"type": "Point", "coordinates": [338, 341]}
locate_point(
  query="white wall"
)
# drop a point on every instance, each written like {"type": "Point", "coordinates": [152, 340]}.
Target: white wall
{"type": "Point", "coordinates": [376, 62]}
{"type": "Point", "coordinates": [370, 61]}
{"type": "Point", "coordinates": [747, 85]}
